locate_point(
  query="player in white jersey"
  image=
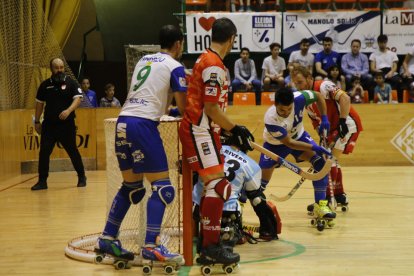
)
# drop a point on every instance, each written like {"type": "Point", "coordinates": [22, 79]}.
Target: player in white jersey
{"type": "Point", "coordinates": [244, 174]}
{"type": "Point", "coordinates": [139, 147]}
{"type": "Point", "coordinates": [284, 134]}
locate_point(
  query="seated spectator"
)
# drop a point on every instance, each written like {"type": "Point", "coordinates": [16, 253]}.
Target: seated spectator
{"type": "Point", "coordinates": [90, 95]}
{"type": "Point", "coordinates": [335, 76]}
{"type": "Point", "coordinates": [408, 69]}
{"type": "Point", "coordinates": [325, 59]}
{"type": "Point", "coordinates": [382, 91]}
{"type": "Point", "coordinates": [109, 100]}
{"type": "Point", "coordinates": [302, 56]}
{"type": "Point", "coordinates": [245, 73]}
{"type": "Point", "coordinates": [288, 80]}
{"type": "Point", "coordinates": [357, 91]}
{"type": "Point", "coordinates": [385, 61]}
{"type": "Point", "coordinates": [356, 64]}
{"type": "Point", "coordinates": [273, 68]}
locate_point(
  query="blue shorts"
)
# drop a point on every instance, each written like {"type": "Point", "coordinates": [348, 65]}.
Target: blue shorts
{"type": "Point", "coordinates": [138, 145]}
{"type": "Point", "coordinates": [283, 151]}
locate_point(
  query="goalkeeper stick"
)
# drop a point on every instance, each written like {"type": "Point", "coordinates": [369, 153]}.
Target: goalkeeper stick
{"type": "Point", "coordinates": [311, 176]}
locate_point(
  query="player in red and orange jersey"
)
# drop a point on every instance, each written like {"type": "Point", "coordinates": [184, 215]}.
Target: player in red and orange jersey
{"type": "Point", "coordinates": [344, 120]}
{"type": "Point", "coordinates": [203, 120]}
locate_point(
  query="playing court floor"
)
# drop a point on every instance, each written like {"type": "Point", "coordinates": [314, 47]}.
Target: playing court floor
{"type": "Point", "coordinates": [374, 238]}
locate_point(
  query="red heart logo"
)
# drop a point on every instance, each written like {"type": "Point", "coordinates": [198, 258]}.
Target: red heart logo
{"type": "Point", "coordinates": [206, 23]}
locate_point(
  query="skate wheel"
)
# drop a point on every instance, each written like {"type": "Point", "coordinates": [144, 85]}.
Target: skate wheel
{"type": "Point", "coordinates": [313, 222]}
{"type": "Point", "coordinates": [168, 269]}
{"type": "Point", "coordinates": [344, 208]}
{"type": "Point", "coordinates": [197, 260]}
{"type": "Point", "coordinates": [323, 222]}
{"type": "Point", "coordinates": [320, 227]}
{"type": "Point", "coordinates": [146, 269]}
{"type": "Point", "coordinates": [228, 269]}
{"type": "Point", "coordinates": [206, 270]}
{"type": "Point", "coordinates": [119, 265]}
{"type": "Point", "coordinates": [99, 259]}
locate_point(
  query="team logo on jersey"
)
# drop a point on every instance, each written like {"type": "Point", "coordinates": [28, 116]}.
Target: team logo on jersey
{"type": "Point", "coordinates": [206, 148]}
{"type": "Point", "coordinates": [138, 156]}
{"type": "Point", "coordinates": [263, 30]}
{"type": "Point", "coordinates": [192, 159]}
{"type": "Point", "coordinates": [277, 134]}
{"type": "Point", "coordinates": [211, 91]}
{"type": "Point", "coordinates": [182, 82]}
{"type": "Point", "coordinates": [213, 79]}
{"type": "Point", "coordinates": [121, 155]}
{"type": "Point", "coordinates": [205, 220]}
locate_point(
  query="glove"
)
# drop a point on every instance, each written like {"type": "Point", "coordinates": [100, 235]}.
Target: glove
{"type": "Point", "coordinates": [343, 128]}
{"type": "Point", "coordinates": [321, 150]}
{"type": "Point", "coordinates": [324, 127]}
{"type": "Point", "coordinates": [241, 137]}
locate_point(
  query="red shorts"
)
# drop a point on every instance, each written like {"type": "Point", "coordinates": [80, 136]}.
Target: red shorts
{"type": "Point", "coordinates": [346, 144]}
{"type": "Point", "coordinates": [201, 148]}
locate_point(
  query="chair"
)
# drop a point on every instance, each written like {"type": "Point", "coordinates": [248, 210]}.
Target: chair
{"type": "Point", "coordinates": [297, 5]}
{"type": "Point", "coordinates": [405, 96]}
{"type": "Point", "coordinates": [197, 5]}
{"type": "Point", "coordinates": [370, 4]}
{"type": "Point", "coordinates": [366, 97]}
{"type": "Point", "coordinates": [346, 5]}
{"type": "Point", "coordinates": [244, 98]}
{"type": "Point", "coordinates": [321, 5]}
{"type": "Point", "coordinates": [267, 98]}
{"type": "Point", "coordinates": [394, 95]}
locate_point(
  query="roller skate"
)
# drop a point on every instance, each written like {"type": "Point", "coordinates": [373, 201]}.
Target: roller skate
{"type": "Point", "coordinates": [108, 246]}
{"type": "Point", "coordinates": [309, 208]}
{"type": "Point", "coordinates": [160, 256]}
{"type": "Point", "coordinates": [342, 201]}
{"type": "Point", "coordinates": [218, 255]}
{"type": "Point", "coordinates": [323, 215]}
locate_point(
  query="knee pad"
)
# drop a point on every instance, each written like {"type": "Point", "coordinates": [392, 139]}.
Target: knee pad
{"type": "Point", "coordinates": [134, 191]}
{"type": "Point", "coordinates": [255, 197]}
{"type": "Point", "coordinates": [164, 190]}
{"type": "Point", "coordinates": [221, 187]}
{"type": "Point", "coordinates": [317, 162]}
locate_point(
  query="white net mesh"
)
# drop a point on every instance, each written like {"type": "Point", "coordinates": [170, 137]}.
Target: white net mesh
{"type": "Point", "coordinates": [132, 231]}
{"type": "Point", "coordinates": [134, 53]}
{"type": "Point", "coordinates": [27, 45]}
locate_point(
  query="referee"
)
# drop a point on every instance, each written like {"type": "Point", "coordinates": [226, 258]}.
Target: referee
{"type": "Point", "coordinates": [62, 96]}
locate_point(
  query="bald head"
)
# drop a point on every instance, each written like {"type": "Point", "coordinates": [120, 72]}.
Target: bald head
{"type": "Point", "coordinates": [57, 65]}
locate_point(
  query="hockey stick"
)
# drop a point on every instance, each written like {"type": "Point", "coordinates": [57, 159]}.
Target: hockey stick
{"type": "Point", "coordinates": [293, 191]}
{"type": "Point", "coordinates": [311, 176]}
{"type": "Point", "coordinates": [300, 182]}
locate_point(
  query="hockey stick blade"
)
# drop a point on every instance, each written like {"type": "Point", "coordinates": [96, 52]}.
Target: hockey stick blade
{"type": "Point", "coordinates": [311, 176]}
{"type": "Point", "coordinates": [292, 191]}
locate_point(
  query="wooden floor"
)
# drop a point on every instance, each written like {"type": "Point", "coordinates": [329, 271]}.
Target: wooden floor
{"type": "Point", "coordinates": [374, 238]}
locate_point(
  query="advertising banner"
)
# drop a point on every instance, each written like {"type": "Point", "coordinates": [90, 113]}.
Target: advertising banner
{"type": "Point", "coordinates": [398, 25]}
{"type": "Point", "coordinates": [342, 27]}
{"type": "Point", "coordinates": [255, 31]}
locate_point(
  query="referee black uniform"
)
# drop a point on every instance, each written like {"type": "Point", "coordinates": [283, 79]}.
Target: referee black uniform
{"type": "Point", "coordinates": [58, 94]}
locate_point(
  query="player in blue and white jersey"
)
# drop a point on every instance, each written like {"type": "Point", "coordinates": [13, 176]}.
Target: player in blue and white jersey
{"type": "Point", "coordinates": [244, 174]}
{"type": "Point", "coordinates": [284, 134]}
{"type": "Point", "coordinates": [139, 147]}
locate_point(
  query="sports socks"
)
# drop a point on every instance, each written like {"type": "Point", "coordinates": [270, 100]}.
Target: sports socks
{"type": "Point", "coordinates": [119, 208]}
{"type": "Point", "coordinates": [155, 212]}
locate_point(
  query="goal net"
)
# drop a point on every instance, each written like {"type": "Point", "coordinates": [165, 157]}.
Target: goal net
{"type": "Point", "coordinates": [132, 232]}
{"type": "Point", "coordinates": [27, 45]}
